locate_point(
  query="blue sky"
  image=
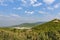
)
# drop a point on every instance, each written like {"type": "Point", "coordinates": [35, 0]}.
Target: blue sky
{"type": "Point", "coordinates": [14, 12]}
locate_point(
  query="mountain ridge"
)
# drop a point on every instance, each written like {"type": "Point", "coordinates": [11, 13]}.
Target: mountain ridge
{"type": "Point", "coordinates": [51, 25]}
{"type": "Point", "coordinates": [27, 24]}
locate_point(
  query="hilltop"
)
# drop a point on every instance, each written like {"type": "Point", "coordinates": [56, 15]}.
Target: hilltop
{"type": "Point", "coordinates": [51, 25]}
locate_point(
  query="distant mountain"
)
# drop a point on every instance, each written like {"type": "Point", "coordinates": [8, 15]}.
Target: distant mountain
{"type": "Point", "coordinates": [51, 25]}
{"type": "Point", "coordinates": [28, 24]}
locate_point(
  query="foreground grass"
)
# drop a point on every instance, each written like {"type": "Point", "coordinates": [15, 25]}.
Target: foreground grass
{"type": "Point", "coordinates": [17, 34]}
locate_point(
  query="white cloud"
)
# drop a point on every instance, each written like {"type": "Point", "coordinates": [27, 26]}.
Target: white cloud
{"type": "Point", "coordinates": [14, 15]}
{"type": "Point", "coordinates": [48, 1]}
{"type": "Point", "coordinates": [24, 1]}
{"type": "Point", "coordinates": [29, 12]}
{"type": "Point", "coordinates": [42, 12]}
{"type": "Point", "coordinates": [57, 15]}
{"type": "Point", "coordinates": [33, 1]}
{"type": "Point", "coordinates": [13, 19]}
{"type": "Point", "coordinates": [37, 4]}
{"type": "Point", "coordinates": [2, 3]}
{"type": "Point", "coordinates": [10, 16]}
{"type": "Point", "coordinates": [18, 8]}
{"type": "Point", "coordinates": [11, 1]}
{"type": "Point", "coordinates": [50, 8]}
{"type": "Point", "coordinates": [54, 7]}
{"type": "Point", "coordinates": [57, 5]}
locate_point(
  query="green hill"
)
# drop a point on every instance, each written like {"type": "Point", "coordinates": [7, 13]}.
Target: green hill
{"type": "Point", "coordinates": [47, 31]}
{"type": "Point", "coordinates": [51, 25]}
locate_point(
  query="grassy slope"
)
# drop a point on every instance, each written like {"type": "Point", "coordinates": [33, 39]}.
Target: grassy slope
{"type": "Point", "coordinates": [48, 26]}
{"type": "Point", "coordinates": [46, 31]}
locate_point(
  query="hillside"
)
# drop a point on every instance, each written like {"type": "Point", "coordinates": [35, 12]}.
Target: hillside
{"type": "Point", "coordinates": [46, 31]}
{"type": "Point", "coordinates": [51, 25]}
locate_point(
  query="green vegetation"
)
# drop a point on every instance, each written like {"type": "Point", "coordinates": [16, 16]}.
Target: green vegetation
{"type": "Point", "coordinates": [28, 24]}
{"type": "Point", "coordinates": [52, 25]}
{"type": "Point", "coordinates": [46, 31]}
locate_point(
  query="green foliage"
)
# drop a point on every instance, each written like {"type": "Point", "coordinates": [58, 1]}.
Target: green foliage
{"type": "Point", "coordinates": [48, 26]}
{"type": "Point", "coordinates": [28, 24]}
{"type": "Point", "coordinates": [46, 31]}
